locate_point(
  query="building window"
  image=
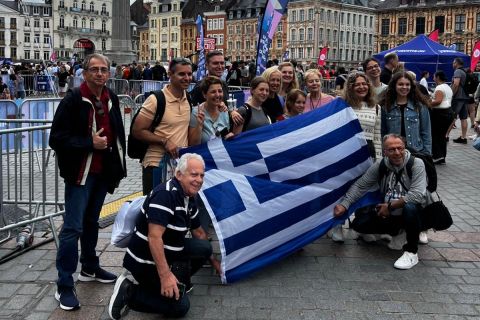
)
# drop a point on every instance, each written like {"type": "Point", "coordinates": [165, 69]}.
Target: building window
{"type": "Point", "coordinates": [46, 39]}
{"type": "Point", "coordinates": [36, 10]}
{"type": "Point", "coordinates": [27, 22]}
{"type": "Point", "coordinates": [92, 24]}
{"type": "Point", "coordinates": [294, 16]}
{"type": "Point", "coordinates": [36, 23]}
{"type": "Point", "coordinates": [46, 55]}
{"type": "Point", "coordinates": [164, 23]}
{"type": "Point", "coordinates": [293, 35]}
{"type": "Point", "coordinates": [460, 46]}
{"type": "Point", "coordinates": [104, 44]}
{"type": "Point", "coordinates": [230, 30]}
{"type": "Point", "coordinates": [383, 46]}
{"type": "Point", "coordinates": [92, 6]}
{"type": "Point", "coordinates": [420, 25]}
{"type": "Point", "coordinates": [75, 4]}
{"type": "Point", "coordinates": [36, 55]}
{"type": "Point", "coordinates": [26, 37]}
{"type": "Point", "coordinates": [230, 45]}
{"type": "Point", "coordinates": [301, 35]}
{"type": "Point", "coordinates": [13, 23]}
{"type": "Point", "coordinates": [301, 15]}
{"type": "Point", "coordinates": [46, 11]}
{"type": "Point", "coordinates": [238, 45]}
{"type": "Point", "coordinates": [310, 14]}
{"type": "Point", "coordinates": [84, 23]}
{"type": "Point", "coordinates": [310, 34]}
{"type": "Point", "coordinates": [104, 25]}
{"type": "Point", "coordinates": [459, 24]}
{"type": "Point", "coordinates": [13, 53]}
{"type": "Point", "coordinates": [322, 15]}
{"type": "Point", "coordinates": [46, 24]}
{"type": "Point", "coordinates": [104, 8]}
{"type": "Point", "coordinates": [478, 22]}
{"type": "Point", "coordinates": [279, 42]}
{"type": "Point", "coordinates": [402, 26]}
{"type": "Point", "coordinates": [385, 27]}
{"type": "Point", "coordinates": [75, 22]}
{"type": "Point", "coordinates": [26, 54]}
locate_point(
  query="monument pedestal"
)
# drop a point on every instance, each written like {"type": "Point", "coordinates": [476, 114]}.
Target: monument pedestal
{"type": "Point", "coordinates": [121, 51]}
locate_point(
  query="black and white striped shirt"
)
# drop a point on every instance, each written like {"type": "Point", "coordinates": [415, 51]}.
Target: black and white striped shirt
{"type": "Point", "coordinates": [167, 206]}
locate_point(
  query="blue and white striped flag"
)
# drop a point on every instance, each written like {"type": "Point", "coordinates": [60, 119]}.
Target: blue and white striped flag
{"type": "Point", "coordinates": [272, 190]}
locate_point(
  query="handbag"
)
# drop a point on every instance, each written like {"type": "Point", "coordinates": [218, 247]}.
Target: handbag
{"type": "Point", "coordinates": [476, 143]}
{"type": "Point", "coordinates": [436, 216]}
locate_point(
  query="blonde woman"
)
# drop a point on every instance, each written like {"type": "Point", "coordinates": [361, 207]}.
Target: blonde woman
{"type": "Point", "coordinates": [273, 106]}
{"type": "Point", "coordinates": [289, 79]}
{"type": "Point", "coordinates": [315, 98]}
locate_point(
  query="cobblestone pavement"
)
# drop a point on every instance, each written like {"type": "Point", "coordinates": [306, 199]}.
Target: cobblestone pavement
{"type": "Point", "coordinates": [324, 281]}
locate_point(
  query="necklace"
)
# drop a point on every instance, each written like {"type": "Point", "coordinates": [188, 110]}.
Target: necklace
{"type": "Point", "coordinates": [316, 105]}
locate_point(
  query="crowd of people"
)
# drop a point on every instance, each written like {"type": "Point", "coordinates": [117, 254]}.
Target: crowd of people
{"type": "Point", "coordinates": [399, 122]}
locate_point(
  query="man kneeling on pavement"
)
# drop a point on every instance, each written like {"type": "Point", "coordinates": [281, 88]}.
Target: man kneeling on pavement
{"type": "Point", "coordinates": [159, 256]}
{"type": "Point", "coordinates": [404, 197]}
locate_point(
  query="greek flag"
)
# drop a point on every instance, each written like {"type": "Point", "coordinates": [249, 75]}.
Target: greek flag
{"type": "Point", "coordinates": [272, 190]}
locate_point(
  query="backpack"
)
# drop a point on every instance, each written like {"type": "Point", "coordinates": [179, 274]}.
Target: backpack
{"type": "Point", "coordinates": [248, 116]}
{"type": "Point", "coordinates": [136, 148]}
{"type": "Point", "coordinates": [124, 224]}
{"type": "Point", "coordinates": [429, 170]}
{"type": "Point", "coordinates": [471, 83]}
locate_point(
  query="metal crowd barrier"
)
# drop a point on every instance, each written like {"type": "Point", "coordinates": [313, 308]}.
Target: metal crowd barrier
{"type": "Point", "coordinates": [328, 86]}
{"type": "Point", "coordinates": [31, 194]}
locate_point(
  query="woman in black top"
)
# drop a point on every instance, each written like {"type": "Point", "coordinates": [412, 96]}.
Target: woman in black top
{"type": "Point", "coordinates": [273, 106]}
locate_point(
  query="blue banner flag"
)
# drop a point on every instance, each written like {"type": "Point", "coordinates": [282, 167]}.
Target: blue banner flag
{"type": "Point", "coordinates": [201, 54]}
{"type": "Point", "coordinates": [272, 190]}
{"type": "Point", "coordinates": [274, 10]}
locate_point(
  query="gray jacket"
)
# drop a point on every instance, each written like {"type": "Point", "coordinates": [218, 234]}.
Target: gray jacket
{"type": "Point", "coordinates": [417, 186]}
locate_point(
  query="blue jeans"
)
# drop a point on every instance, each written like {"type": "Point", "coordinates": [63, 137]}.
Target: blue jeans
{"type": "Point", "coordinates": [82, 209]}
{"type": "Point", "coordinates": [146, 297]}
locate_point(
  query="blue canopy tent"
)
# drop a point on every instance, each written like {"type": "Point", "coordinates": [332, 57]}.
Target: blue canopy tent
{"type": "Point", "coordinates": [422, 54]}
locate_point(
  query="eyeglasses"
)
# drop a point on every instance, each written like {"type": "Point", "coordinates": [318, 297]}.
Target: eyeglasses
{"type": "Point", "coordinates": [97, 70]}
{"type": "Point", "coordinates": [375, 66]}
{"type": "Point", "coordinates": [392, 150]}
{"type": "Point", "coordinates": [99, 107]}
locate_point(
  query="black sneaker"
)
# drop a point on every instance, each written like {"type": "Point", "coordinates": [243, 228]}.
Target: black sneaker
{"type": "Point", "coordinates": [67, 298]}
{"type": "Point", "coordinates": [118, 305]}
{"type": "Point", "coordinates": [99, 275]}
{"type": "Point", "coordinates": [460, 140]}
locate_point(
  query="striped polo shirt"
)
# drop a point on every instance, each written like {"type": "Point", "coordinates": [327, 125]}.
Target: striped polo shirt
{"type": "Point", "coordinates": [168, 206]}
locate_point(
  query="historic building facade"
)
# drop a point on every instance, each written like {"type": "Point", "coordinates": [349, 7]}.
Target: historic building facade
{"type": "Point", "coordinates": [458, 22]}
{"type": "Point", "coordinates": [11, 37]}
{"type": "Point", "coordinates": [164, 22]}
{"type": "Point", "coordinates": [81, 27]}
{"type": "Point", "coordinates": [346, 27]}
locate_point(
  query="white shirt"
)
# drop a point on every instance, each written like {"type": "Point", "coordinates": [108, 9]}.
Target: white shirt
{"type": "Point", "coordinates": [447, 96]}
{"type": "Point", "coordinates": [424, 83]}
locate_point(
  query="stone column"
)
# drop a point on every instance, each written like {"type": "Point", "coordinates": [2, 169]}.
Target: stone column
{"type": "Point", "coordinates": [121, 51]}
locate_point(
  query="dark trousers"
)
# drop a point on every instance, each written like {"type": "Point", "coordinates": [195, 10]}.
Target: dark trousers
{"type": "Point", "coordinates": [441, 120]}
{"type": "Point", "coordinates": [146, 296]}
{"type": "Point", "coordinates": [82, 209]}
{"type": "Point", "coordinates": [147, 180]}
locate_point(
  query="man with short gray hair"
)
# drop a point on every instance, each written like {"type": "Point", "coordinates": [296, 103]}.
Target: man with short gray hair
{"type": "Point", "coordinates": [404, 197]}
{"type": "Point", "coordinates": [89, 141]}
{"type": "Point", "coordinates": [159, 256]}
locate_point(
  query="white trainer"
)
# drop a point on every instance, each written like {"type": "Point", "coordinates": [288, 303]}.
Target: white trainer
{"type": "Point", "coordinates": [337, 233]}
{"type": "Point", "coordinates": [423, 238]}
{"type": "Point", "coordinates": [407, 261]}
{"type": "Point", "coordinates": [398, 241]}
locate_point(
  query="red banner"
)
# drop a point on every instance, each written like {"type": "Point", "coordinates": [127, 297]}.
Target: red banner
{"type": "Point", "coordinates": [322, 56]}
{"type": "Point", "coordinates": [475, 58]}
{"type": "Point", "coordinates": [434, 35]}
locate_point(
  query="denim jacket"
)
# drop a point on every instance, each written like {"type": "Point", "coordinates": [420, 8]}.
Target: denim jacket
{"type": "Point", "coordinates": [417, 126]}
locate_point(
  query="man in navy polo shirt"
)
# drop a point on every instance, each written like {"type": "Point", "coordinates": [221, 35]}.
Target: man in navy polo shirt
{"type": "Point", "coordinates": [159, 256]}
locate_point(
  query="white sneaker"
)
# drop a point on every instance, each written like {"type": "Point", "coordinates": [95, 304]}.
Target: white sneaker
{"type": "Point", "coordinates": [407, 261]}
{"type": "Point", "coordinates": [337, 233]}
{"type": "Point", "coordinates": [368, 237]}
{"type": "Point", "coordinates": [398, 241]}
{"type": "Point", "coordinates": [423, 238]}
